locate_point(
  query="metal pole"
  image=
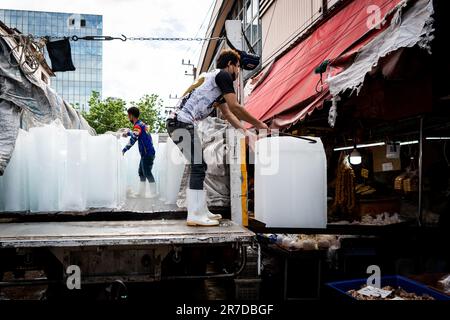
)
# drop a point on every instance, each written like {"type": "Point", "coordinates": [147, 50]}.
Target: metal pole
{"type": "Point", "coordinates": [419, 221]}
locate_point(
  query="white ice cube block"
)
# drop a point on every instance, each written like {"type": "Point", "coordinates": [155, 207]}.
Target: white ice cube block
{"type": "Point", "coordinates": [14, 182]}
{"type": "Point", "coordinates": [46, 156]}
{"type": "Point", "coordinates": [102, 171]}
{"type": "Point", "coordinates": [74, 185]}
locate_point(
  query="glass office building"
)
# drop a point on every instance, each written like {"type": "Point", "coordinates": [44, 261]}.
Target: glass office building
{"type": "Point", "coordinates": [74, 86]}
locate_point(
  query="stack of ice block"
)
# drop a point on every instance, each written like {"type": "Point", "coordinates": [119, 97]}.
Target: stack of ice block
{"type": "Point", "coordinates": [54, 169]}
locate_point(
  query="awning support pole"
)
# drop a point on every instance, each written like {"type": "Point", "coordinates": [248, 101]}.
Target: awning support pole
{"type": "Point", "coordinates": [420, 210]}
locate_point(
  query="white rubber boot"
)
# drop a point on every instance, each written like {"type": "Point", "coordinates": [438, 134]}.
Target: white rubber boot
{"type": "Point", "coordinates": [209, 214]}
{"type": "Point", "coordinates": [142, 189]}
{"type": "Point", "coordinates": [153, 193]}
{"type": "Point", "coordinates": [197, 216]}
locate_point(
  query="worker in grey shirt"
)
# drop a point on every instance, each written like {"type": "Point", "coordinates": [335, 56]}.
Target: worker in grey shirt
{"type": "Point", "coordinates": [213, 90]}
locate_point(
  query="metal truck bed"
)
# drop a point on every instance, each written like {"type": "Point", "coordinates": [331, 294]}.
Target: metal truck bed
{"type": "Point", "coordinates": [117, 233]}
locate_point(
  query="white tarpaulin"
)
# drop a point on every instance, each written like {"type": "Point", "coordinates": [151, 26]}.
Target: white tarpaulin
{"type": "Point", "coordinates": [409, 27]}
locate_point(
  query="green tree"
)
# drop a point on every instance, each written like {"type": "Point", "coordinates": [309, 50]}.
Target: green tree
{"type": "Point", "coordinates": [151, 109]}
{"type": "Point", "coordinates": [110, 114]}
{"type": "Point", "coordinates": [106, 115]}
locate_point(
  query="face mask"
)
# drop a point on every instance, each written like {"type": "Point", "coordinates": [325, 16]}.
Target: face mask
{"type": "Point", "coordinates": [132, 122]}
{"type": "Point", "coordinates": [234, 76]}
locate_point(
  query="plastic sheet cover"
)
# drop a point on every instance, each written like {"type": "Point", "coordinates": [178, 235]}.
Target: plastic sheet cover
{"type": "Point", "coordinates": [409, 28]}
{"type": "Point", "coordinates": [27, 102]}
{"type": "Point", "coordinates": [212, 132]}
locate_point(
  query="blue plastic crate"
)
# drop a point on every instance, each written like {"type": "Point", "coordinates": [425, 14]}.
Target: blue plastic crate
{"type": "Point", "coordinates": [395, 281]}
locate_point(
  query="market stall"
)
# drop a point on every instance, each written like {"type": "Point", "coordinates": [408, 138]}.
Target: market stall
{"type": "Point", "coordinates": [384, 128]}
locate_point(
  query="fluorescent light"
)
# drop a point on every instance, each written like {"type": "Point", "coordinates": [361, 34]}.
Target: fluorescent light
{"type": "Point", "coordinates": [438, 138]}
{"type": "Point", "coordinates": [343, 149]}
{"type": "Point", "coordinates": [409, 142]}
{"type": "Point", "coordinates": [361, 146]}
{"type": "Point", "coordinates": [378, 144]}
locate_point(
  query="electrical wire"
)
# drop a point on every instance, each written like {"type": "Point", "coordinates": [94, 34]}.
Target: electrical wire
{"type": "Point", "coordinates": [203, 22]}
{"type": "Point", "coordinates": [122, 38]}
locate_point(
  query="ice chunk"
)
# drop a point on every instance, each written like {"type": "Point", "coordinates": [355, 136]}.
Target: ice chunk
{"type": "Point", "coordinates": [175, 164]}
{"type": "Point", "coordinates": [102, 171]}
{"type": "Point", "coordinates": [159, 170]}
{"type": "Point", "coordinates": [46, 157]}
{"type": "Point", "coordinates": [132, 159]}
{"type": "Point", "coordinates": [74, 184]}
{"type": "Point", "coordinates": [14, 182]}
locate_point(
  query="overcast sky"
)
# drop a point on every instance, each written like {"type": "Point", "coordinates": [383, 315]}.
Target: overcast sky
{"type": "Point", "coordinates": [132, 69]}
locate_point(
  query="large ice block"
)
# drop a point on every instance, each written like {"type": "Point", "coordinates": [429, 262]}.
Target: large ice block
{"type": "Point", "coordinates": [290, 183]}
{"type": "Point", "coordinates": [103, 171]}
{"type": "Point", "coordinates": [14, 182]}
{"type": "Point", "coordinates": [159, 170]}
{"type": "Point", "coordinates": [175, 164]}
{"type": "Point", "coordinates": [74, 184]}
{"type": "Point", "coordinates": [46, 157]}
{"type": "Point", "coordinates": [132, 158]}
{"type": "Point", "coordinates": [122, 175]}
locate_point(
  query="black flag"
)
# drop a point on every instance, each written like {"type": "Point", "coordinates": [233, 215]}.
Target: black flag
{"type": "Point", "coordinates": [60, 55]}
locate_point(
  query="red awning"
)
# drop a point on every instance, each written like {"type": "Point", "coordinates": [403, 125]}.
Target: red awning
{"type": "Point", "coordinates": [292, 81]}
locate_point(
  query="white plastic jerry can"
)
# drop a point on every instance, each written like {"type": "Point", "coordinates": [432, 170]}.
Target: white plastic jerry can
{"type": "Point", "coordinates": [291, 183]}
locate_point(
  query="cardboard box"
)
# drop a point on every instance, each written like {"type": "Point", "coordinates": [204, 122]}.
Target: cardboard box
{"type": "Point", "coordinates": [383, 164]}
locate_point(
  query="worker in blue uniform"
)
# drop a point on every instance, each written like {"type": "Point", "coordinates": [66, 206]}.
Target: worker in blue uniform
{"type": "Point", "coordinates": [140, 134]}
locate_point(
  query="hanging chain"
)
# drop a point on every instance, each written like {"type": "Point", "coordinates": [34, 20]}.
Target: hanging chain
{"type": "Point", "coordinates": [29, 50]}
{"type": "Point", "coordinates": [122, 38]}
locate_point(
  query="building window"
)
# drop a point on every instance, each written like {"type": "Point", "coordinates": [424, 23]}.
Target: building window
{"type": "Point", "coordinates": [248, 12]}
{"type": "Point", "coordinates": [252, 24]}
{"type": "Point", "coordinates": [82, 23]}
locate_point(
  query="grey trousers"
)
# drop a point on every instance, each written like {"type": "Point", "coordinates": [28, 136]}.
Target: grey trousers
{"type": "Point", "coordinates": [191, 149]}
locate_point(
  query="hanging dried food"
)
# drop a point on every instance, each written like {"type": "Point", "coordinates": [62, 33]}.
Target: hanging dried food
{"type": "Point", "coordinates": [364, 190]}
{"type": "Point", "coordinates": [411, 183]}
{"type": "Point", "coordinates": [398, 183]}
{"type": "Point", "coordinates": [345, 198]}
